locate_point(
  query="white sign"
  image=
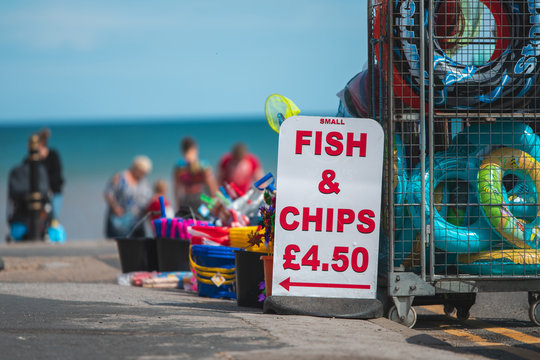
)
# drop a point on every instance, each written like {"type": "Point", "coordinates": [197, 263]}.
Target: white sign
{"type": "Point", "coordinates": [329, 181]}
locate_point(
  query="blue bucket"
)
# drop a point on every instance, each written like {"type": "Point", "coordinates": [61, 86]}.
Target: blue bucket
{"type": "Point", "coordinates": [215, 257]}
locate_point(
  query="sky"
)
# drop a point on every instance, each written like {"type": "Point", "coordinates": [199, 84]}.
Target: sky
{"type": "Point", "coordinates": [140, 59]}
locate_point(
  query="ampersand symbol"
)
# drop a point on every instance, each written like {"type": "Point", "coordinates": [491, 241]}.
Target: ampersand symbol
{"type": "Point", "coordinates": [327, 186]}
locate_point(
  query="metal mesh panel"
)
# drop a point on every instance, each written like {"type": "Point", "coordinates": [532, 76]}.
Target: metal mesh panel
{"type": "Point", "coordinates": [455, 85]}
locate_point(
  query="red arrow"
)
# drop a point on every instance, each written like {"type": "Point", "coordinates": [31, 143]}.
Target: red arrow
{"type": "Point", "coordinates": [288, 283]}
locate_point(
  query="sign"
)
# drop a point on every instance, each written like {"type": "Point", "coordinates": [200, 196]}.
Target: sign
{"type": "Point", "coordinates": [329, 181]}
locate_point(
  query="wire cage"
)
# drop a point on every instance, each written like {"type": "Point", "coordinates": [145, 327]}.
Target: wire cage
{"type": "Point", "coordinates": [455, 84]}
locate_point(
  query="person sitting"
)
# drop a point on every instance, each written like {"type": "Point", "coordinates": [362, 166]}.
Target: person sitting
{"type": "Point", "coordinates": [127, 196]}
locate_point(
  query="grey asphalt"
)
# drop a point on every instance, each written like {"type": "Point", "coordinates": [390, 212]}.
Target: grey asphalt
{"type": "Point", "coordinates": [71, 320]}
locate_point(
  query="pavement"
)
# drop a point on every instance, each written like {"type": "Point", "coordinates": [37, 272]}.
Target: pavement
{"type": "Point", "coordinates": [63, 302]}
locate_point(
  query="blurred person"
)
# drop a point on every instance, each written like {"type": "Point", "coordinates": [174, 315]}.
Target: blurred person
{"type": "Point", "coordinates": [239, 167]}
{"type": "Point", "coordinates": [53, 164]}
{"type": "Point", "coordinates": [160, 189]}
{"type": "Point", "coordinates": [127, 196]}
{"type": "Point", "coordinates": [190, 177]}
{"type": "Point", "coordinates": [19, 215]}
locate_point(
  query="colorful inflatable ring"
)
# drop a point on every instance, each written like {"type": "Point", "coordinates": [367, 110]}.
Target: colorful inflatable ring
{"type": "Point", "coordinates": [509, 75]}
{"type": "Point", "coordinates": [522, 198]}
{"type": "Point", "coordinates": [492, 170]}
{"type": "Point", "coordinates": [502, 262]}
{"type": "Point", "coordinates": [407, 242]}
{"type": "Point", "coordinates": [479, 139]}
{"type": "Point", "coordinates": [474, 237]}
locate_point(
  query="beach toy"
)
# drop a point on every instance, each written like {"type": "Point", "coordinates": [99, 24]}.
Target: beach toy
{"type": "Point", "coordinates": [521, 195]}
{"type": "Point", "coordinates": [213, 267]}
{"type": "Point", "coordinates": [407, 242]}
{"type": "Point", "coordinates": [209, 235]}
{"type": "Point", "coordinates": [474, 236]}
{"type": "Point", "coordinates": [494, 167]}
{"type": "Point", "coordinates": [478, 140]}
{"type": "Point", "coordinates": [239, 238]}
{"type": "Point", "coordinates": [356, 95]}
{"type": "Point", "coordinates": [278, 108]}
{"type": "Point", "coordinates": [208, 201]}
{"type": "Point", "coordinates": [56, 232]}
{"type": "Point", "coordinates": [508, 76]}
{"type": "Point", "coordinates": [269, 177]}
{"type": "Point", "coordinates": [501, 262]}
{"type": "Point", "coordinates": [224, 200]}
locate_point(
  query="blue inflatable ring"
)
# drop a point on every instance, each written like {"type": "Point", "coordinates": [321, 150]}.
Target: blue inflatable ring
{"type": "Point", "coordinates": [448, 237]}
{"type": "Point", "coordinates": [502, 262]}
{"type": "Point", "coordinates": [480, 139]}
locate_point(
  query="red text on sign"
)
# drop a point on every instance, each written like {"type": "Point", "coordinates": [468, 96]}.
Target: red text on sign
{"type": "Point", "coordinates": [290, 219]}
{"type": "Point", "coordinates": [333, 141]}
{"type": "Point", "coordinates": [358, 260]}
{"type": "Point", "coordinates": [332, 121]}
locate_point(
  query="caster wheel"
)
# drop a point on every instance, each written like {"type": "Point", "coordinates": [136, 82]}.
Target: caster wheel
{"type": "Point", "coordinates": [534, 312]}
{"type": "Point", "coordinates": [408, 320]}
{"type": "Point", "coordinates": [449, 310]}
{"type": "Point", "coordinates": [463, 314]}
{"type": "Point", "coordinates": [533, 297]}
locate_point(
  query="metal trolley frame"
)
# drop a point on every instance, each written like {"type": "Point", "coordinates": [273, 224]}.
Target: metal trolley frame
{"type": "Point", "coordinates": [425, 266]}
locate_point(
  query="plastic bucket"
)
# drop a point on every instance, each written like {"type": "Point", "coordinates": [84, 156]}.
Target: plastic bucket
{"type": "Point", "coordinates": [137, 254]}
{"type": "Point", "coordinates": [214, 257]}
{"type": "Point", "coordinates": [173, 254]}
{"type": "Point", "coordinates": [249, 274]}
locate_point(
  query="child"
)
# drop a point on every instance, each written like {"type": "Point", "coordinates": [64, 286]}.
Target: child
{"type": "Point", "coordinates": [160, 189]}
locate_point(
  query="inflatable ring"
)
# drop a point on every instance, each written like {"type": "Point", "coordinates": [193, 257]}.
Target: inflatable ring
{"type": "Point", "coordinates": [509, 74]}
{"type": "Point", "coordinates": [501, 161]}
{"type": "Point", "coordinates": [407, 237]}
{"type": "Point", "coordinates": [478, 139]}
{"type": "Point", "coordinates": [522, 198]}
{"type": "Point", "coordinates": [502, 262]}
{"type": "Point", "coordinates": [473, 237]}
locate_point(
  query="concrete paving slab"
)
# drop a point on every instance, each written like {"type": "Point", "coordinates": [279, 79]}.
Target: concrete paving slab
{"type": "Point", "coordinates": [65, 304]}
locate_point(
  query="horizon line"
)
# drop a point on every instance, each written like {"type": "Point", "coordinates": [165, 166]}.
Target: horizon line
{"type": "Point", "coordinates": [116, 120]}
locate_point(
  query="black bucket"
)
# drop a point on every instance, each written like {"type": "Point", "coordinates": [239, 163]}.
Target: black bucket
{"type": "Point", "coordinates": [137, 254]}
{"type": "Point", "coordinates": [173, 254]}
{"type": "Point", "coordinates": [249, 274]}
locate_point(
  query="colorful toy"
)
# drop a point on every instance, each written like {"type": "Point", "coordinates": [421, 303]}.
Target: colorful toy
{"type": "Point", "coordinates": [473, 237]}
{"type": "Point", "coordinates": [278, 108]}
{"type": "Point", "coordinates": [505, 160]}
{"type": "Point", "coordinates": [502, 262]}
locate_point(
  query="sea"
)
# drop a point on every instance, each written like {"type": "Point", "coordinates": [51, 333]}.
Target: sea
{"type": "Point", "coordinates": [92, 152]}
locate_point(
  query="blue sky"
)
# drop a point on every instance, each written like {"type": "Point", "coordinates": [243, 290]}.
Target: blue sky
{"type": "Point", "coordinates": [105, 59]}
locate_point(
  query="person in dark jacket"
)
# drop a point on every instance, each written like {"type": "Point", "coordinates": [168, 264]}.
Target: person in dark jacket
{"type": "Point", "coordinates": [53, 164]}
